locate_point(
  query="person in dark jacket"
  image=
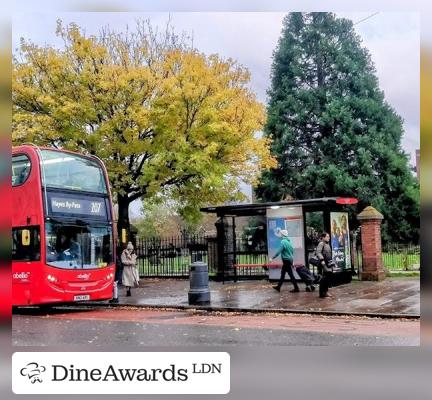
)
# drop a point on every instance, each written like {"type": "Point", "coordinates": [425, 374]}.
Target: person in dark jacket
{"type": "Point", "coordinates": [286, 251]}
{"type": "Point", "coordinates": [324, 254]}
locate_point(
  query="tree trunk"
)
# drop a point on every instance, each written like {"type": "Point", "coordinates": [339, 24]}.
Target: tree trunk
{"type": "Point", "coordinates": [123, 216]}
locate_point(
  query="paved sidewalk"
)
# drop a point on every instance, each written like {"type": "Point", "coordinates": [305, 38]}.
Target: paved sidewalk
{"type": "Point", "coordinates": [394, 297]}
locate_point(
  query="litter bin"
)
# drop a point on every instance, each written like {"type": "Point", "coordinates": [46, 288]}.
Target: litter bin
{"type": "Point", "coordinates": [199, 292]}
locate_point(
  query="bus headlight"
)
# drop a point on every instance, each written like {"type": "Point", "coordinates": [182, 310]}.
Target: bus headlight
{"type": "Point", "coordinates": [109, 276]}
{"type": "Point", "coordinates": [52, 278]}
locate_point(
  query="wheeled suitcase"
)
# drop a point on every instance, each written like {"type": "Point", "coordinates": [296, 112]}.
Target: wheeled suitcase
{"type": "Point", "coordinates": [305, 275]}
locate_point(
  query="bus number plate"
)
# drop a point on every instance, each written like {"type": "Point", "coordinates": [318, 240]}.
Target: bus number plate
{"type": "Point", "coordinates": [82, 297]}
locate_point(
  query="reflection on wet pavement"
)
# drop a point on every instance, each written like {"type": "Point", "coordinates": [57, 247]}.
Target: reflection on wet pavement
{"type": "Point", "coordinates": [392, 296]}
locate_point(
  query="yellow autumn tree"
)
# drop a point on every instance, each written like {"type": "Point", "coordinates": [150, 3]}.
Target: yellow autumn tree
{"type": "Point", "coordinates": [165, 118]}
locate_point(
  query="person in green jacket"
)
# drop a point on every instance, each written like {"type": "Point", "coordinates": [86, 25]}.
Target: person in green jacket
{"type": "Point", "coordinates": [286, 251]}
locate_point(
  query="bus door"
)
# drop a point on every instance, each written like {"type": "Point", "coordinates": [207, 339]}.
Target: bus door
{"type": "Point", "coordinates": [26, 257]}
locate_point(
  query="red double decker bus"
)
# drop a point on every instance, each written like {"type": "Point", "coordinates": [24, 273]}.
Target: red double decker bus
{"type": "Point", "coordinates": [62, 227]}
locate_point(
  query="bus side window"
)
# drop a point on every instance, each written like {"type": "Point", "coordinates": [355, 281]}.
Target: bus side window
{"type": "Point", "coordinates": [21, 167]}
{"type": "Point", "coordinates": [20, 250]}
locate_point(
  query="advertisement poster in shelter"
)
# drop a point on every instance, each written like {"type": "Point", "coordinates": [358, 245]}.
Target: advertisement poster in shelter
{"type": "Point", "coordinates": [290, 219]}
{"type": "Point", "coordinates": [340, 239]}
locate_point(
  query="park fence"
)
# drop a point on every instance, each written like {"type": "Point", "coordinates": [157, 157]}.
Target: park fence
{"type": "Point", "coordinates": [171, 257]}
{"type": "Point", "coordinates": [396, 257]}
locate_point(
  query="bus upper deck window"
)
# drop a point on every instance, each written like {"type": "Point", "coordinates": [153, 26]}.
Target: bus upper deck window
{"type": "Point", "coordinates": [21, 167]}
{"type": "Point", "coordinates": [72, 172]}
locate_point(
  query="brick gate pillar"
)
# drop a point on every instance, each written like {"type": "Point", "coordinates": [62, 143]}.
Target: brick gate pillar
{"type": "Point", "coordinates": [370, 221]}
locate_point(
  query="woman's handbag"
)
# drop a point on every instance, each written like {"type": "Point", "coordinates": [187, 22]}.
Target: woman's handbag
{"type": "Point", "coordinates": [329, 267]}
{"type": "Point", "coordinates": [314, 260]}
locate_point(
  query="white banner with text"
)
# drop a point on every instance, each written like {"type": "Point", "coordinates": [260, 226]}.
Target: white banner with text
{"type": "Point", "coordinates": [121, 373]}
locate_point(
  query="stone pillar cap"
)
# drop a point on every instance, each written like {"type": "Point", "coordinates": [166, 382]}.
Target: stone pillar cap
{"type": "Point", "coordinates": [369, 213]}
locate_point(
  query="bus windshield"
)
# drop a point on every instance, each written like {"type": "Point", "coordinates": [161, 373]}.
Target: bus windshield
{"type": "Point", "coordinates": [68, 171]}
{"type": "Point", "coordinates": [78, 247]}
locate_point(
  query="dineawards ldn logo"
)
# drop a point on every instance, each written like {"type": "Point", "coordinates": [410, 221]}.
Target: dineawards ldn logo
{"type": "Point", "coordinates": [33, 371]}
{"type": "Point", "coordinates": [121, 373]}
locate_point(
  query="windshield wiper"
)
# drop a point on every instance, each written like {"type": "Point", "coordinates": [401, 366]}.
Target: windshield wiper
{"type": "Point", "coordinates": [81, 222]}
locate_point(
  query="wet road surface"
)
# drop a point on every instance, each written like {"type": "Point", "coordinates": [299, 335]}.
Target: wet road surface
{"type": "Point", "coordinates": [126, 326]}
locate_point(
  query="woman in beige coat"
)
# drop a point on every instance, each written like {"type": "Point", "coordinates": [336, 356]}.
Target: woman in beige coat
{"type": "Point", "coordinates": [130, 277]}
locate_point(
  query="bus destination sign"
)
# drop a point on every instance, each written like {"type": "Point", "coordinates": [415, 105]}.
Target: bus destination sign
{"type": "Point", "coordinates": [78, 206]}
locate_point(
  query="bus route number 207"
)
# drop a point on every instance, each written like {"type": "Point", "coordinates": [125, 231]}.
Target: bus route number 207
{"type": "Point", "coordinates": [96, 207]}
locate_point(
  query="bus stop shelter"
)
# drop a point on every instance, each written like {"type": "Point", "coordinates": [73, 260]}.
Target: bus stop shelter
{"type": "Point", "coordinates": [304, 220]}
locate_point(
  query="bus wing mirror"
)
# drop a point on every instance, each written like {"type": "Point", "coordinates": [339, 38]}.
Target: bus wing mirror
{"type": "Point", "coordinates": [25, 237]}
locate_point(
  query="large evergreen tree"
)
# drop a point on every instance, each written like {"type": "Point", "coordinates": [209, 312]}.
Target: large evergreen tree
{"type": "Point", "coordinates": [333, 132]}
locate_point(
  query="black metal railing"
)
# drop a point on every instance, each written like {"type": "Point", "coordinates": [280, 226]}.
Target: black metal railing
{"type": "Point", "coordinates": [396, 257]}
{"type": "Point", "coordinates": [250, 260]}
{"type": "Point", "coordinates": [170, 257]}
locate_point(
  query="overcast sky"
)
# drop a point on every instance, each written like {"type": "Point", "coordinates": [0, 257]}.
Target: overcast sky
{"type": "Point", "coordinates": [393, 39]}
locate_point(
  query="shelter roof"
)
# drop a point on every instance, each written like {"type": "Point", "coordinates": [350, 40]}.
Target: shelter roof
{"type": "Point", "coordinates": [260, 208]}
